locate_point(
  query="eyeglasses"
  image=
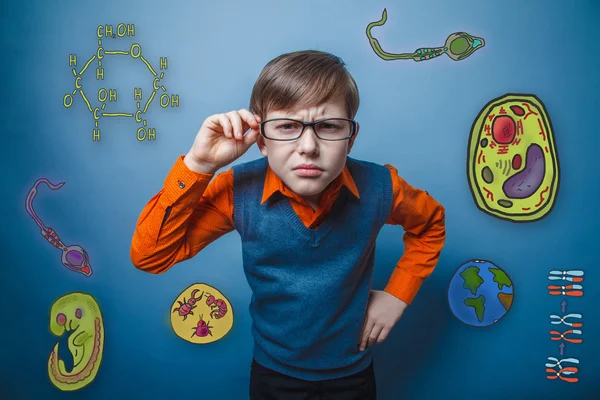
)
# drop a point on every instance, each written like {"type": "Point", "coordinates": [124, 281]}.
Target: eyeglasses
{"type": "Point", "coordinates": [285, 129]}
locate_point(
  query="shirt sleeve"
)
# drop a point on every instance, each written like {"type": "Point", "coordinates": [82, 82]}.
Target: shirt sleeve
{"type": "Point", "coordinates": [423, 220]}
{"type": "Point", "coordinates": [185, 216]}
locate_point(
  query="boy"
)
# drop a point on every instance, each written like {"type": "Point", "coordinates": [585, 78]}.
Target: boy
{"type": "Point", "coordinates": [308, 217]}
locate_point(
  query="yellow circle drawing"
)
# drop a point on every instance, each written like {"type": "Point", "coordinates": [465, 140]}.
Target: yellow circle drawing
{"type": "Point", "coordinates": [512, 160]}
{"type": "Point", "coordinates": [201, 314]}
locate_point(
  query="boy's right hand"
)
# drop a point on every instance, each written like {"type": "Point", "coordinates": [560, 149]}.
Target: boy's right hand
{"type": "Point", "coordinates": [221, 140]}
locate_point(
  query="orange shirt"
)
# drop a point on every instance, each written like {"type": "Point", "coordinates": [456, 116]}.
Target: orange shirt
{"type": "Point", "coordinates": [192, 210]}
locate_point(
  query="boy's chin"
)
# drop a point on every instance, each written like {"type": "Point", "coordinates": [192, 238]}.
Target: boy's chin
{"type": "Point", "coordinates": [307, 186]}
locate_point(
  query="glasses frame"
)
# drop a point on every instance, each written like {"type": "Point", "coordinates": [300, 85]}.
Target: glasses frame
{"type": "Point", "coordinates": [353, 123]}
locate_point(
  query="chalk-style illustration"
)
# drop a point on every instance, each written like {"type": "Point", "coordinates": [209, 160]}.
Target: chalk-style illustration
{"type": "Point", "coordinates": [563, 373]}
{"type": "Point", "coordinates": [458, 46]}
{"type": "Point", "coordinates": [135, 51]}
{"type": "Point", "coordinates": [201, 314]}
{"type": "Point", "coordinates": [571, 336]}
{"type": "Point", "coordinates": [79, 316]}
{"type": "Point", "coordinates": [74, 257]}
{"type": "Point", "coordinates": [572, 332]}
{"type": "Point", "coordinates": [186, 306]}
{"type": "Point", "coordinates": [218, 306]}
{"type": "Point", "coordinates": [567, 320]}
{"type": "Point", "coordinates": [202, 328]}
{"type": "Point", "coordinates": [572, 276]}
{"type": "Point", "coordinates": [568, 290]}
{"type": "Point", "coordinates": [512, 160]}
{"type": "Point", "coordinates": [480, 293]}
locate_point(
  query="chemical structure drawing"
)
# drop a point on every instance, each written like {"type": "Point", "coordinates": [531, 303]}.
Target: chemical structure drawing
{"type": "Point", "coordinates": [135, 51]}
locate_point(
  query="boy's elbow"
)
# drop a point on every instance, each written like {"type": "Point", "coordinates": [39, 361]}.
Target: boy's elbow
{"type": "Point", "coordinates": [437, 226]}
{"type": "Point", "coordinates": [144, 262]}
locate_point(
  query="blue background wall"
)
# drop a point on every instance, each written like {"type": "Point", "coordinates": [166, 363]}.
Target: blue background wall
{"type": "Point", "coordinates": [416, 116]}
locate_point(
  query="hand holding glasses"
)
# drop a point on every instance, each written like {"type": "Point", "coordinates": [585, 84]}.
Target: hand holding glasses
{"type": "Point", "coordinates": [286, 129]}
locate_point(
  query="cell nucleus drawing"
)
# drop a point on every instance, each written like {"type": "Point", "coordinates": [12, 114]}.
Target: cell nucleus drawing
{"type": "Point", "coordinates": [458, 46]}
{"type": "Point", "coordinates": [79, 316]}
{"type": "Point", "coordinates": [201, 314]}
{"type": "Point", "coordinates": [480, 293]}
{"type": "Point", "coordinates": [512, 159]}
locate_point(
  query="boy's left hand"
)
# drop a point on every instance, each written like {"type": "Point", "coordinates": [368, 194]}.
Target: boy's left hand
{"type": "Point", "coordinates": [383, 311]}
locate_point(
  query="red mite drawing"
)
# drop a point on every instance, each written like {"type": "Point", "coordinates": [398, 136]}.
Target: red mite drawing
{"type": "Point", "coordinates": [202, 329]}
{"type": "Point", "coordinates": [220, 305]}
{"type": "Point", "coordinates": [186, 307]}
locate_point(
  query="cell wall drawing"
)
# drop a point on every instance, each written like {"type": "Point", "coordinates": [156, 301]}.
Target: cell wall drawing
{"type": "Point", "coordinates": [512, 159]}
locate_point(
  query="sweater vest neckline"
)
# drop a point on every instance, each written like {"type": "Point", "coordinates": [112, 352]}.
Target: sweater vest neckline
{"type": "Point", "coordinates": [313, 236]}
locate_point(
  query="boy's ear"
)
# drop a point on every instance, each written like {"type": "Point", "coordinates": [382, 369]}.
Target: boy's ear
{"type": "Point", "coordinates": [260, 142]}
{"type": "Point", "coordinates": [351, 141]}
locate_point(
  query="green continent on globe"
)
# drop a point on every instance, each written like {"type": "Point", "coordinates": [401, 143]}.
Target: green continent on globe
{"type": "Point", "coordinates": [478, 304]}
{"type": "Point", "coordinates": [500, 278]}
{"type": "Point", "coordinates": [472, 279]}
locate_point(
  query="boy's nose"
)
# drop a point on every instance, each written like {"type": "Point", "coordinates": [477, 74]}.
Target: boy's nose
{"type": "Point", "coordinates": [308, 142]}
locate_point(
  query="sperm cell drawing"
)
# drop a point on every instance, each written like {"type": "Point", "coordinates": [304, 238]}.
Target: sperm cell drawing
{"type": "Point", "coordinates": [458, 46]}
{"type": "Point", "coordinates": [74, 257]}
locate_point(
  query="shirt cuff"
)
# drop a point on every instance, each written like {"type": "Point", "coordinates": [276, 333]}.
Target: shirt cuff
{"type": "Point", "coordinates": [403, 285]}
{"type": "Point", "coordinates": [184, 185]}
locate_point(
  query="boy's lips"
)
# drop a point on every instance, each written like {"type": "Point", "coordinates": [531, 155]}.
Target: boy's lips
{"type": "Point", "coordinates": [308, 170]}
{"type": "Point", "coordinates": [308, 166]}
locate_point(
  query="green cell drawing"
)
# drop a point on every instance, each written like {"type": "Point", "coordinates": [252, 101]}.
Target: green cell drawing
{"type": "Point", "coordinates": [78, 315]}
{"type": "Point", "coordinates": [458, 46]}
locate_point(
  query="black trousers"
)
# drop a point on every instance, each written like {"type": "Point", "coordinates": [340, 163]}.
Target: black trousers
{"type": "Point", "coordinates": [266, 384]}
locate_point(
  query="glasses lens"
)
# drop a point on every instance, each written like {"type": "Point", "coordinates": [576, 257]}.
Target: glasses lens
{"type": "Point", "coordinates": [330, 129]}
{"type": "Point", "coordinates": [334, 129]}
{"type": "Point", "coordinates": [282, 129]}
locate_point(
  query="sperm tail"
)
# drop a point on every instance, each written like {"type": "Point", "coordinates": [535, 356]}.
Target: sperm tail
{"type": "Point", "coordinates": [31, 195]}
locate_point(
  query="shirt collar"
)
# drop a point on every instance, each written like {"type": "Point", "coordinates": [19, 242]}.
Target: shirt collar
{"type": "Point", "coordinates": [274, 184]}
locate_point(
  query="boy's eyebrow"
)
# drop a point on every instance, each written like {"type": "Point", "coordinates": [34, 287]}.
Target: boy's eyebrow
{"type": "Point", "coordinates": [321, 114]}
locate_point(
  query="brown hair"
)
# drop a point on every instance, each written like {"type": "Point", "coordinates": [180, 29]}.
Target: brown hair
{"type": "Point", "coordinates": [310, 76]}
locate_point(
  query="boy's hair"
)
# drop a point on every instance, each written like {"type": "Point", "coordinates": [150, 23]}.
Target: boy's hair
{"type": "Point", "coordinates": [310, 76]}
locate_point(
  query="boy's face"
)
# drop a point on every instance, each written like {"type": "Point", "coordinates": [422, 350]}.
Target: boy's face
{"type": "Point", "coordinates": [326, 158]}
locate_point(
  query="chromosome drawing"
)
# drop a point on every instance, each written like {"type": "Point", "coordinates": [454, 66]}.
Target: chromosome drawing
{"type": "Point", "coordinates": [571, 276]}
{"type": "Point", "coordinates": [565, 290]}
{"type": "Point", "coordinates": [556, 370]}
{"type": "Point", "coordinates": [573, 290]}
{"type": "Point", "coordinates": [458, 46]}
{"type": "Point", "coordinates": [74, 257]}
{"type": "Point", "coordinates": [571, 320]}
{"type": "Point", "coordinates": [480, 293]}
{"type": "Point", "coordinates": [571, 332]}
{"type": "Point", "coordinates": [512, 160]}
{"type": "Point", "coordinates": [135, 52]}
{"type": "Point", "coordinates": [201, 314]}
{"type": "Point", "coordinates": [79, 316]}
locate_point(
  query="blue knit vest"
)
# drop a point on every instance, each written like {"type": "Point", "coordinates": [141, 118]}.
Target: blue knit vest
{"type": "Point", "coordinates": [310, 287]}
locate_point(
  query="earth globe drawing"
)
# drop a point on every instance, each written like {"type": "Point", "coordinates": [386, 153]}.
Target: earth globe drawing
{"type": "Point", "coordinates": [480, 293]}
